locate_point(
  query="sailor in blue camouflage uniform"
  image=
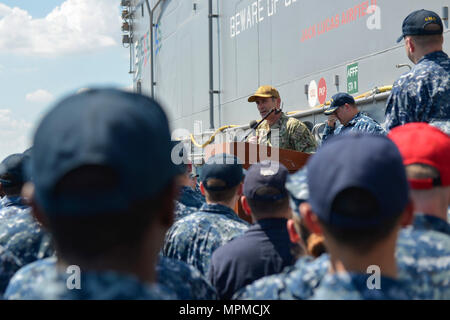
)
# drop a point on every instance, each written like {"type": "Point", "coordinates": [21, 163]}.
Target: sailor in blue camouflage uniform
{"type": "Point", "coordinates": [22, 240]}
{"type": "Point", "coordinates": [422, 94]}
{"type": "Point", "coordinates": [343, 108]}
{"type": "Point", "coordinates": [185, 281]}
{"type": "Point", "coordinates": [44, 280]}
{"type": "Point", "coordinates": [194, 238]}
{"type": "Point", "coordinates": [107, 201]}
{"type": "Point", "coordinates": [424, 248]}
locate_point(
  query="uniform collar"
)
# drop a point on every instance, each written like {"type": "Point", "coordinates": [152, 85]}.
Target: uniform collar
{"type": "Point", "coordinates": [431, 223]}
{"type": "Point", "coordinates": [271, 223]}
{"type": "Point", "coordinates": [277, 124]}
{"type": "Point", "coordinates": [217, 208]}
{"type": "Point", "coordinates": [9, 201]}
{"type": "Point", "coordinates": [353, 121]}
{"type": "Point", "coordinates": [434, 56]}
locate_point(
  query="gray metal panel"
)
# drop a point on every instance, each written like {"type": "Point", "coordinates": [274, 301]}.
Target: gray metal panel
{"type": "Point", "coordinates": [270, 52]}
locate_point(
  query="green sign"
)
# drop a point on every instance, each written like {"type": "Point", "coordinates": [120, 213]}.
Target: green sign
{"type": "Point", "coordinates": [352, 78]}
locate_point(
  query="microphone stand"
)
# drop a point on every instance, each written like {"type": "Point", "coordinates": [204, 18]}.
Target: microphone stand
{"type": "Point", "coordinates": [255, 126]}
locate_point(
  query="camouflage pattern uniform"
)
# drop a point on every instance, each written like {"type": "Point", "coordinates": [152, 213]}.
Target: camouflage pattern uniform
{"type": "Point", "coordinates": [41, 280]}
{"type": "Point", "coordinates": [9, 206]}
{"type": "Point", "coordinates": [194, 238]}
{"type": "Point", "coordinates": [293, 135]}
{"type": "Point", "coordinates": [186, 281]}
{"type": "Point", "coordinates": [422, 259]}
{"type": "Point", "coordinates": [444, 126]}
{"type": "Point", "coordinates": [182, 211]}
{"type": "Point", "coordinates": [189, 202]}
{"type": "Point", "coordinates": [181, 279]}
{"type": "Point", "coordinates": [353, 286]}
{"type": "Point", "coordinates": [22, 241]}
{"type": "Point", "coordinates": [423, 252]}
{"type": "Point", "coordinates": [422, 94]}
{"type": "Point", "coordinates": [296, 282]}
{"type": "Point", "coordinates": [360, 122]}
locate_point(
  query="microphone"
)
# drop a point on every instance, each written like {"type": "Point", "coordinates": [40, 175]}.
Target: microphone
{"type": "Point", "coordinates": [254, 125]}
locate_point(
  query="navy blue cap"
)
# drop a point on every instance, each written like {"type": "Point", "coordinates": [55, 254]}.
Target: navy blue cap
{"type": "Point", "coordinates": [125, 132]}
{"type": "Point", "coordinates": [13, 166]}
{"type": "Point", "coordinates": [415, 24]}
{"type": "Point", "coordinates": [370, 162]}
{"type": "Point", "coordinates": [266, 174]}
{"type": "Point", "coordinates": [224, 167]}
{"type": "Point", "coordinates": [338, 100]}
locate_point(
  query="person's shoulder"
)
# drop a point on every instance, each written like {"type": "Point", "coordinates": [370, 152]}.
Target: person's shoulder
{"type": "Point", "coordinates": [294, 282]}
{"type": "Point", "coordinates": [184, 279]}
{"type": "Point", "coordinates": [237, 246]}
{"type": "Point", "coordinates": [295, 123]}
{"type": "Point", "coordinates": [431, 241]}
{"type": "Point", "coordinates": [26, 281]}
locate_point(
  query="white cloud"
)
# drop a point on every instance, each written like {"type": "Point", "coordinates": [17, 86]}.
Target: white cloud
{"type": "Point", "coordinates": [15, 134]}
{"type": "Point", "coordinates": [75, 26]}
{"type": "Point", "coordinates": [39, 96]}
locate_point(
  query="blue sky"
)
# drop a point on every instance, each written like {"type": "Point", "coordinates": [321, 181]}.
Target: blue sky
{"type": "Point", "coordinates": [49, 49]}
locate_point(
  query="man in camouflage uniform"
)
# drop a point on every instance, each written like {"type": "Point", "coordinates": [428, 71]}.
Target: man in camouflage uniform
{"type": "Point", "coordinates": [424, 249]}
{"type": "Point", "coordinates": [107, 201]}
{"type": "Point", "coordinates": [184, 280]}
{"type": "Point", "coordinates": [343, 108]}
{"type": "Point", "coordinates": [279, 130]}
{"type": "Point", "coordinates": [22, 240]}
{"type": "Point", "coordinates": [422, 94]}
{"type": "Point", "coordinates": [194, 238]}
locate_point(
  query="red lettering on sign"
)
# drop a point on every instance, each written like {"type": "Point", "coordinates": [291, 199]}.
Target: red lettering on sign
{"type": "Point", "coordinates": [322, 91]}
{"type": "Point", "coordinates": [328, 24]}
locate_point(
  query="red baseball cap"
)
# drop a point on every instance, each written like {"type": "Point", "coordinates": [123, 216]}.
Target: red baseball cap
{"type": "Point", "coordinates": [421, 143]}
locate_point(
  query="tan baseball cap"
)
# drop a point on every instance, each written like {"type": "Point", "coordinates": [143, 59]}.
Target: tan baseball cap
{"type": "Point", "coordinates": [264, 92]}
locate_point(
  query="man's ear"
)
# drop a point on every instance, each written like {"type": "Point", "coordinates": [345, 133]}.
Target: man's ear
{"type": "Point", "coordinates": [246, 206]}
{"type": "Point", "coordinates": [202, 188]}
{"type": "Point", "coordinates": [410, 44]}
{"type": "Point", "coordinates": [311, 220]}
{"type": "Point", "coordinates": [241, 189]}
{"type": "Point", "coordinates": [36, 211]}
{"type": "Point", "coordinates": [167, 214]}
{"type": "Point", "coordinates": [407, 216]}
{"type": "Point", "coordinates": [292, 231]}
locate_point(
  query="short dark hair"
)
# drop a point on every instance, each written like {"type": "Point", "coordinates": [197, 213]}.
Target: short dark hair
{"type": "Point", "coordinates": [421, 171]}
{"type": "Point", "coordinates": [353, 202]}
{"type": "Point", "coordinates": [219, 195]}
{"type": "Point", "coordinates": [262, 208]}
{"type": "Point", "coordinates": [92, 235]}
{"type": "Point", "coordinates": [427, 40]}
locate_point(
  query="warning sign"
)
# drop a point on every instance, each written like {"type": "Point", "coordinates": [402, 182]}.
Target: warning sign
{"type": "Point", "coordinates": [352, 78]}
{"type": "Point", "coordinates": [322, 91]}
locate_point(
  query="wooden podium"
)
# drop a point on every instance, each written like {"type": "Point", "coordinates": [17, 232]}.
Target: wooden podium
{"type": "Point", "coordinates": [250, 153]}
